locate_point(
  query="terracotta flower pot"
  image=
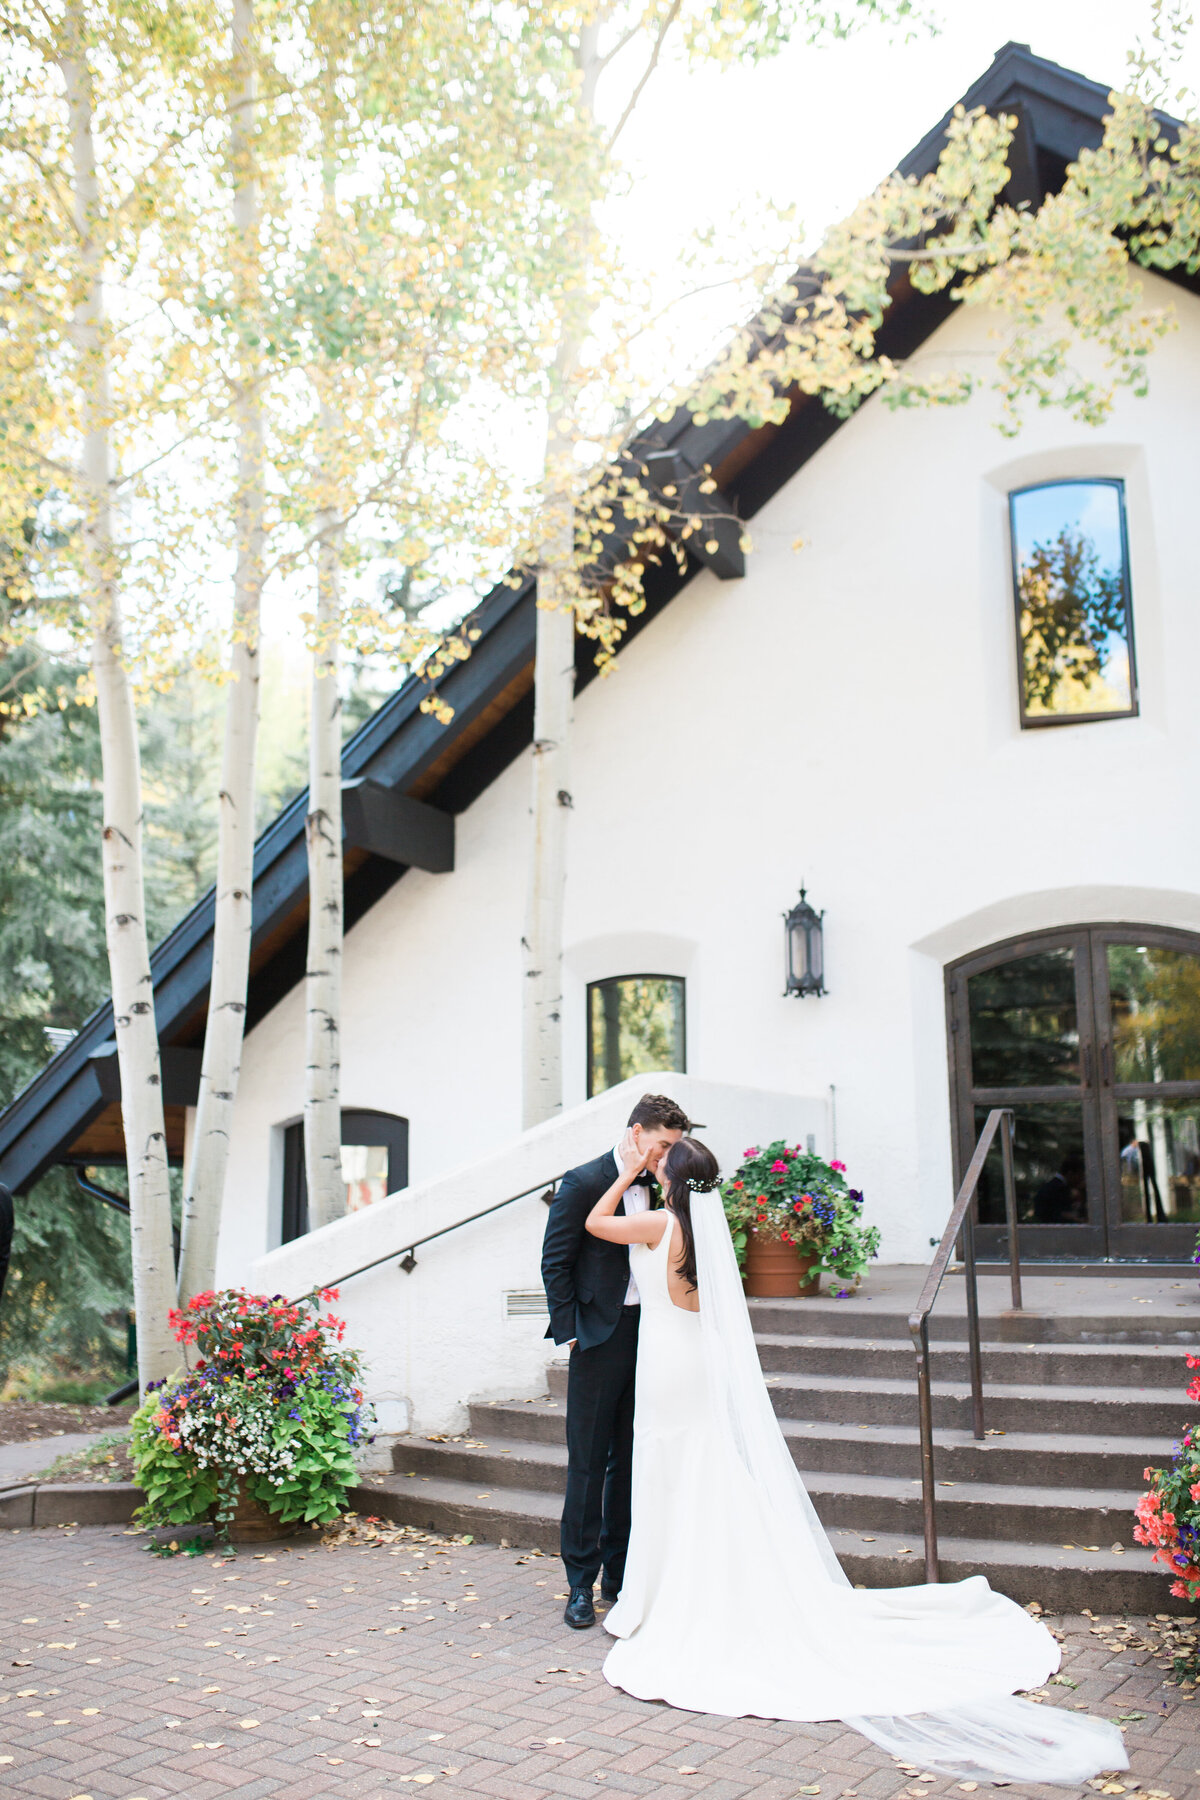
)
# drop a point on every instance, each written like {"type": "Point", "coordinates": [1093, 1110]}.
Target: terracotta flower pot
{"type": "Point", "coordinates": [253, 1524]}
{"type": "Point", "coordinates": [779, 1271]}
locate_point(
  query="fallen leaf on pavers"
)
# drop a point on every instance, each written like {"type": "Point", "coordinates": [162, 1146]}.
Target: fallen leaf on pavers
{"type": "Point", "coordinates": [554, 1671]}
{"type": "Point", "coordinates": [89, 1712]}
{"type": "Point", "coordinates": [6, 1759]}
{"type": "Point", "coordinates": [451, 1771]}
{"type": "Point", "coordinates": [371, 1743]}
{"type": "Point", "coordinates": [686, 1769]}
{"type": "Point", "coordinates": [1063, 1681]}
{"type": "Point", "coordinates": [424, 1778]}
{"type": "Point", "coordinates": [57, 1646]}
{"type": "Point", "coordinates": [1127, 1718]}
{"type": "Point", "coordinates": [334, 1759]}
{"type": "Point", "coordinates": [248, 1724]}
{"type": "Point", "coordinates": [210, 1690]}
{"type": "Point", "coordinates": [810, 1789]}
{"type": "Point", "coordinates": [967, 1787]}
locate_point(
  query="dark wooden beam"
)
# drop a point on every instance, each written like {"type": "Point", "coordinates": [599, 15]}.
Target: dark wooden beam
{"type": "Point", "coordinates": [717, 545]}
{"type": "Point", "coordinates": [392, 825]}
{"type": "Point", "coordinates": [180, 1073]}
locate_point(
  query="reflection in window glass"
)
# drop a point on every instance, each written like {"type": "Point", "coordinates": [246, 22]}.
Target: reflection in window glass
{"type": "Point", "coordinates": [1072, 595]}
{"type": "Point", "coordinates": [365, 1173]}
{"type": "Point", "coordinates": [1155, 1013]}
{"type": "Point", "coordinates": [1024, 1027]}
{"type": "Point", "coordinates": [1160, 1161]}
{"type": "Point", "coordinates": [635, 1023]}
{"type": "Point", "coordinates": [1048, 1162]}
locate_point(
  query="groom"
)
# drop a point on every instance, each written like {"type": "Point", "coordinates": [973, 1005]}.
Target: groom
{"type": "Point", "coordinates": [594, 1308]}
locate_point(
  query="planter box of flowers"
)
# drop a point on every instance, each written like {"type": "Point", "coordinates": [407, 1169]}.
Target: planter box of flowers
{"type": "Point", "coordinates": [259, 1432]}
{"type": "Point", "coordinates": [1169, 1513]}
{"type": "Point", "coordinates": [794, 1219]}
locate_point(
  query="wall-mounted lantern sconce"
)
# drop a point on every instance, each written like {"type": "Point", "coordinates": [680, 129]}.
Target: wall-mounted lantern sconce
{"type": "Point", "coordinates": [804, 933]}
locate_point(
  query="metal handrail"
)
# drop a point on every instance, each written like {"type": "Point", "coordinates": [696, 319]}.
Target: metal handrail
{"type": "Point", "coordinates": [961, 1224]}
{"type": "Point", "coordinates": [408, 1257]}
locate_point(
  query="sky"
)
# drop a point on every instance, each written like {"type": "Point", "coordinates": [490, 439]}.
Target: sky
{"type": "Point", "coordinates": [819, 128]}
{"type": "Point", "coordinates": [816, 129]}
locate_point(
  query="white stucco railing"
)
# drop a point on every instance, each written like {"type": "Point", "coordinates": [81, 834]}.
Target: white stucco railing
{"type": "Point", "coordinates": [447, 1333]}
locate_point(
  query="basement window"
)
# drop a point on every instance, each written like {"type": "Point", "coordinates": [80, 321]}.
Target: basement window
{"type": "Point", "coordinates": [1073, 609]}
{"type": "Point", "coordinates": [635, 1024]}
{"type": "Point", "coordinates": [374, 1164]}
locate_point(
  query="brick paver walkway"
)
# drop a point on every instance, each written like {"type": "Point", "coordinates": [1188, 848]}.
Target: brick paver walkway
{"type": "Point", "coordinates": [316, 1673]}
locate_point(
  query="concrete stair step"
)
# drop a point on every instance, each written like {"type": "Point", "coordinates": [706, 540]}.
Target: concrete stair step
{"type": "Point", "coordinates": [1111, 1461]}
{"type": "Point", "coordinates": [883, 1317]}
{"type": "Point", "coordinates": [532, 1466]}
{"type": "Point", "coordinates": [1063, 1580]}
{"type": "Point", "coordinates": [1125, 1411]}
{"type": "Point", "coordinates": [869, 1502]}
{"type": "Point", "coordinates": [542, 1420]}
{"type": "Point", "coordinates": [1033, 1364]}
{"type": "Point", "coordinates": [1013, 1458]}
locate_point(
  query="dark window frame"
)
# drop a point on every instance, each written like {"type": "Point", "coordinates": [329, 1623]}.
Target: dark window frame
{"type": "Point", "coordinates": [360, 1125]}
{"type": "Point", "coordinates": [633, 975]}
{"type": "Point", "coordinates": [1106, 1235]}
{"type": "Point", "coordinates": [1035, 721]}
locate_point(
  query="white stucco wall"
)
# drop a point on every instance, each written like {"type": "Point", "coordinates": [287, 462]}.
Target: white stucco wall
{"type": "Point", "coordinates": [438, 1336]}
{"type": "Point", "coordinates": [845, 715]}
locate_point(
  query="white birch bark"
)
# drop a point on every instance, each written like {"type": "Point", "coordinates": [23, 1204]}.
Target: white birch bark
{"type": "Point", "coordinates": [124, 897]}
{"type": "Point", "coordinates": [205, 1178]}
{"type": "Point", "coordinates": [323, 832]}
{"type": "Point", "coordinates": [553, 713]}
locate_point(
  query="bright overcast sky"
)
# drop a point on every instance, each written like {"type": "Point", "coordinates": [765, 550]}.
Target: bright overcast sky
{"type": "Point", "coordinates": [819, 128]}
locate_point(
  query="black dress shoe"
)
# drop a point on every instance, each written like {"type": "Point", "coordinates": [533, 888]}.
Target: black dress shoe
{"type": "Point", "coordinates": [579, 1610]}
{"type": "Point", "coordinates": [608, 1592]}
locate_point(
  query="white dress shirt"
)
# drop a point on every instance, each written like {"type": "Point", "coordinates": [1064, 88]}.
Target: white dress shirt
{"type": "Point", "coordinates": [637, 1199]}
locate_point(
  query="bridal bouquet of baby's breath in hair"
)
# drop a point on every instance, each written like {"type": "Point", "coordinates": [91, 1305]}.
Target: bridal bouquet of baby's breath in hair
{"type": "Point", "coordinates": [796, 1196]}
{"type": "Point", "coordinates": [273, 1405]}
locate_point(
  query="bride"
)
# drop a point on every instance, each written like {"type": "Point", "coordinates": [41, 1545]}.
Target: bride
{"type": "Point", "coordinates": [733, 1600]}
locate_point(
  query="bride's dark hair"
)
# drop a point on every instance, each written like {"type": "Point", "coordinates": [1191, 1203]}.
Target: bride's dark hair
{"type": "Point", "coordinates": [688, 1168]}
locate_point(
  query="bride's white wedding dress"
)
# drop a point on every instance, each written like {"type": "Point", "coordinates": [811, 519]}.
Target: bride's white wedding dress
{"type": "Point", "coordinates": [734, 1602]}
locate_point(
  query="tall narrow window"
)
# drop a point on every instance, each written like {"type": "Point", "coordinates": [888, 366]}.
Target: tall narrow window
{"type": "Point", "coordinates": [1074, 616]}
{"type": "Point", "coordinates": [635, 1023]}
{"type": "Point", "coordinates": [374, 1164]}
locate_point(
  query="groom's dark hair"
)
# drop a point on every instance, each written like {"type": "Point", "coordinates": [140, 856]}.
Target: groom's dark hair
{"type": "Point", "coordinates": [656, 1110]}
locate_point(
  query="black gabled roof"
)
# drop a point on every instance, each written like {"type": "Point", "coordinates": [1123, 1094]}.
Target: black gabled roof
{"type": "Point", "coordinates": [1060, 112]}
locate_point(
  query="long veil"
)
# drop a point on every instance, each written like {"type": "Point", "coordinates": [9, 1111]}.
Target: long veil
{"type": "Point", "coordinates": [1005, 1737]}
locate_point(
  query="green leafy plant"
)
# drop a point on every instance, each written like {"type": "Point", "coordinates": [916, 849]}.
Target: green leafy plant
{"type": "Point", "coordinates": [273, 1406]}
{"type": "Point", "coordinates": [796, 1197]}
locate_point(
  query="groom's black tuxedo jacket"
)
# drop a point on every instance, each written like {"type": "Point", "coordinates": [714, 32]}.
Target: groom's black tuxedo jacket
{"type": "Point", "coordinates": [585, 1278]}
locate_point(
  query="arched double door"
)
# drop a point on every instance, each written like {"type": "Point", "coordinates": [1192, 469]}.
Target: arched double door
{"type": "Point", "coordinates": [1092, 1036]}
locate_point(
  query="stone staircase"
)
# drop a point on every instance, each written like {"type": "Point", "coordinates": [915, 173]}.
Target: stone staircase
{"type": "Point", "coordinates": [1078, 1399]}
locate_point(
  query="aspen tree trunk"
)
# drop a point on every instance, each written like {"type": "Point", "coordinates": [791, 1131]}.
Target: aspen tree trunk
{"type": "Point", "coordinates": [124, 897]}
{"type": "Point", "coordinates": [553, 713]}
{"type": "Point", "coordinates": [206, 1176]}
{"type": "Point", "coordinates": [323, 832]}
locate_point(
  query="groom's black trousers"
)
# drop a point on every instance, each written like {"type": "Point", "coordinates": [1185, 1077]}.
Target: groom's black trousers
{"type": "Point", "coordinates": [595, 1520]}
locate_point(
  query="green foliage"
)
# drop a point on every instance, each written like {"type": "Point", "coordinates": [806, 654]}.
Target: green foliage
{"type": "Point", "coordinates": [798, 1198]}
{"type": "Point", "coordinates": [69, 1284]}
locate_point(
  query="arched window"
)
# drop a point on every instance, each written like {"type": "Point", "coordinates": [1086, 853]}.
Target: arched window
{"type": "Point", "coordinates": [635, 1023]}
{"type": "Point", "coordinates": [1092, 1036]}
{"type": "Point", "coordinates": [374, 1164]}
{"type": "Point", "coordinates": [1073, 609]}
